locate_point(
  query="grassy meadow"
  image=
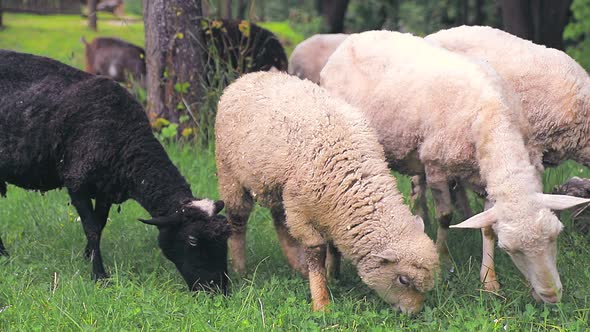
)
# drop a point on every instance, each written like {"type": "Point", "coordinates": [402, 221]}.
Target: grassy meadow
{"type": "Point", "coordinates": [45, 284]}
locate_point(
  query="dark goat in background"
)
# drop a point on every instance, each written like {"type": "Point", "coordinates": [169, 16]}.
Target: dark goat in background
{"type": "Point", "coordinates": [61, 127]}
{"type": "Point", "coordinates": [115, 58]}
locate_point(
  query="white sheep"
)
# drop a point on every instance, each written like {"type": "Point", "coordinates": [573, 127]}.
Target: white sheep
{"type": "Point", "coordinates": [439, 114]}
{"type": "Point", "coordinates": [310, 56]}
{"type": "Point", "coordinates": [313, 160]}
{"type": "Point", "coordinates": [553, 87]}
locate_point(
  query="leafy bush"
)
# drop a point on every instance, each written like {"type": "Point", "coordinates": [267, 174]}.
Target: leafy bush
{"type": "Point", "coordinates": [577, 33]}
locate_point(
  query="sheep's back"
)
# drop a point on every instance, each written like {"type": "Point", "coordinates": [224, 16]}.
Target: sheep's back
{"type": "Point", "coordinates": [421, 99]}
{"type": "Point", "coordinates": [272, 127]}
{"type": "Point", "coordinates": [553, 88]}
{"type": "Point", "coordinates": [58, 123]}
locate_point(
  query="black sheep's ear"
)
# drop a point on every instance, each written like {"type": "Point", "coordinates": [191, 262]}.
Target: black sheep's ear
{"type": "Point", "coordinates": [162, 221]}
{"type": "Point", "coordinates": [219, 205]}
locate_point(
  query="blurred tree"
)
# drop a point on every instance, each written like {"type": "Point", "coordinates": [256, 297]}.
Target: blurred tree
{"type": "Point", "coordinates": [92, 14]}
{"type": "Point", "coordinates": [174, 57]}
{"type": "Point", "coordinates": [333, 12]}
{"type": "Point", "coordinates": [228, 9]}
{"type": "Point", "coordinates": [0, 14]}
{"type": "Point", "coordinates": [242, 6]}
{"type": "Point", "coordinates": [542, 21]}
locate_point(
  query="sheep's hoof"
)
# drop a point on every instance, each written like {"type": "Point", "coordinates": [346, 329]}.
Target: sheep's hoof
{"type": "Point", "coordinates": [491, 285]}
{"type": "Point", "coordinates": [100, 277]}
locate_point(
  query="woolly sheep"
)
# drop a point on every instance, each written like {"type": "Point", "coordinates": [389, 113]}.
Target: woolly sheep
{"type": "Point", "coordinates": [553, 88]}
{"type": "Point", "coordinates": [313, 160]}
{"type": "Point", "coordinates": [61, 127]}
{"type": "Point", "coordinates": [310, 56]}
{"type": "Point", "coordinates": [439, 114]}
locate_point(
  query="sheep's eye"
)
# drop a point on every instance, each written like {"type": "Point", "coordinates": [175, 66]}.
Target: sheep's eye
{"type": "Point", "coordinates": [404, 280]}
{"type": "Point", "coordinates": [192, 241]}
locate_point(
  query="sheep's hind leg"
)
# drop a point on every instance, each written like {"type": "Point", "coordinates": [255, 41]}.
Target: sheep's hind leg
{"type": "Point", "coordinates": [101, 213]}
{"type": "Point", "coordinates": [442, 202]}
{"type": "Point", "coordinates": [418, 194]}
{"type": "Point", "coordinates": [92, 229]}
{"type": "Point", "coordinates": [460, 199]}
{"type": "Point", "coordinates": [238, 219]}
{"type": "Point", "coordinates": [333, 261]}
{"type": "Point", "coordinates": [316, 261]}
{"type": "Point", "coordinates": [292, 249]}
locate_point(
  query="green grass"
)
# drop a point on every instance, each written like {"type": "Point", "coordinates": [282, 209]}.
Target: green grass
{"type": "Point", "coordinates": [46, 286]}
{"type": "Point", "coordinates": [58, 36]}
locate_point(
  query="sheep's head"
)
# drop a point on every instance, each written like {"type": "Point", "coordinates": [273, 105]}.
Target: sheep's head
{"type": "Point", "coordinates": [531, 241]}
{"type": "Point", "coordinates": [195, 240]}
{"type": "Point", "coordinates": [402, 272]}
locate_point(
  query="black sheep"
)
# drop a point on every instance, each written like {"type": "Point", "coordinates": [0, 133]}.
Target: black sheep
{"type": "Point", "coordinates": [243, 45]}
{"type": "Point", "coordinates": [61, 127]}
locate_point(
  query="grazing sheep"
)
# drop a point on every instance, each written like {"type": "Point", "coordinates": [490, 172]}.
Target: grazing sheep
{"type": "Point", "coordinates": [313, 160]}
{"type": "Point", "coordinates": [553, 88]}
{"type": "Point", "coordinates": [439, 114]}
{"type": "Point", "coordinates": [61, 127]}
{"type": "Point", "coordinates": [115, 58]}
{"type": "Point", "coordinates": [310, 56]}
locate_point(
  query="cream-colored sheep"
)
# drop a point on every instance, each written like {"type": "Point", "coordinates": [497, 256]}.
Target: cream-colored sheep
{"type": "Point", "coordinates": [313, 160]}
{"type": "Point", "coordinates": [554, 90]}
{"type": "Point", "coordinates": [310, 56]}
{"type": "Point", "coordinates": [440, 114]}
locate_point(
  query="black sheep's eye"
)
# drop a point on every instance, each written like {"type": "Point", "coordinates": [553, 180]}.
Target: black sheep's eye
{"type": "Point", "coordinates": [192, 241]}
{"type": "Point", "coordinates": [404, 280]}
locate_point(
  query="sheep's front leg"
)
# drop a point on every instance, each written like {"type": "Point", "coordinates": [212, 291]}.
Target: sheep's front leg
{"type": "Point", "coordinates": [318, 283]}
{"type": "Point", "coordinates": [291, 247]}
{"type": "Point", "coordinates": [93, 229]}
{"type": "Point", "coordinates": [487, 274]}
{"type": "Point", "coordinates": [3, 251]}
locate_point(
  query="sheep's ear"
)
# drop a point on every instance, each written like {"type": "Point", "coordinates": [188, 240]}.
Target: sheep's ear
{"type": "Point", "coordinates": [162, 221]}
{"type": "Point", "coordinates": [219, 205]}
{"type": "Point", "coordinates": [387, 255]}
{"type": "Point", "coordinates": [419, 222]}
{"type": "Point", "coordinates": [562, 202]}
{"type": "Point", "coordinates": [480, 220]}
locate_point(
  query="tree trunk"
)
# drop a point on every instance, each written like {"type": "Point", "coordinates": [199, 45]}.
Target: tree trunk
{"type": "Point", "coordinates": [92, 14]}
{"type": "Point", "coordinates": [242, 6]}
{"type": "Point", "coordinates": [395, 15]}
{"type": "Point", "coordinates": [174, 57]}
{"type": "Point", "coordinates": [333, 12]}
{"type": "Point", "coordinates": [541, 21]}
{"type": "Point", "coordinates": [479, 13]}
{"type": "Point", "coordinates": [464, 12]}
{"type": "Point", "coordinates": [228, 9]}
{"type": "Point", "coordinates": [552, 17]}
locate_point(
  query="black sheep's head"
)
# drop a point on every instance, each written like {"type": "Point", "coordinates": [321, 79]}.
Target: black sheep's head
{"type": "Point", "coordinates": [195, 240]}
